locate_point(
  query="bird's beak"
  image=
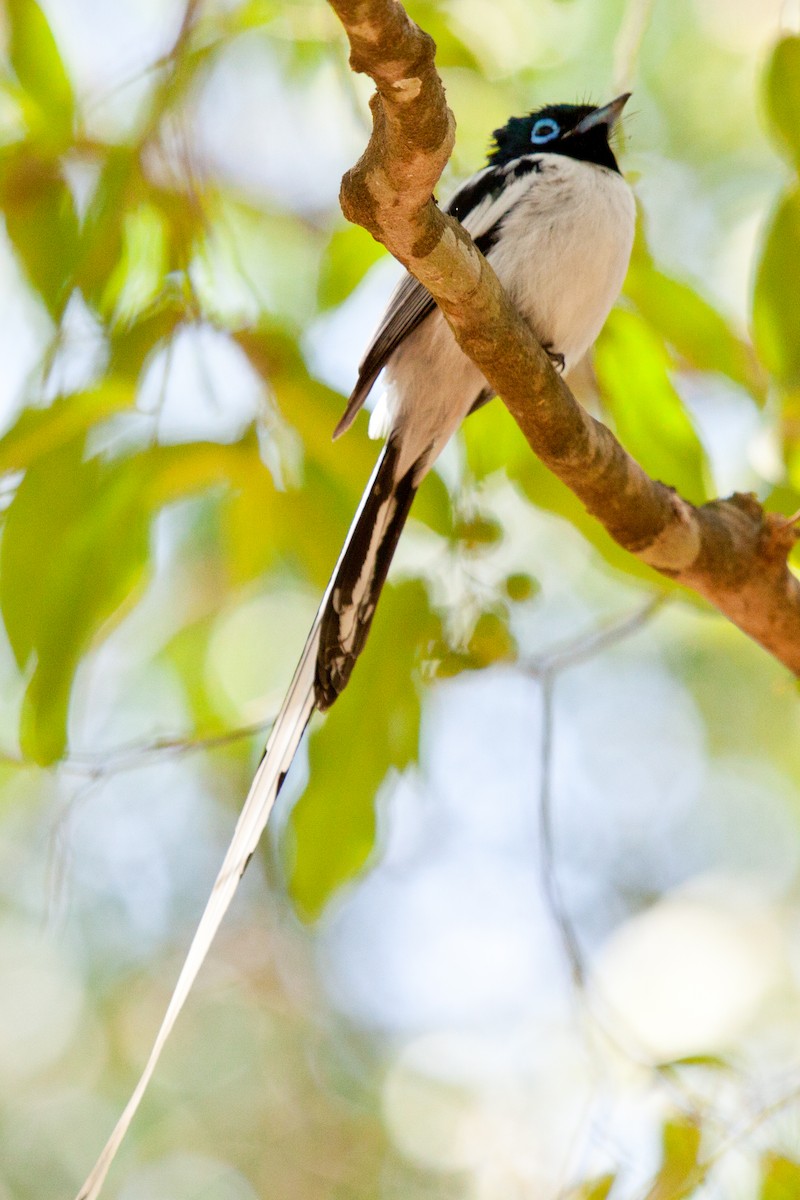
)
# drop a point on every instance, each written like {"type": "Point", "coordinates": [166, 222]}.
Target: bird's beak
{"type": "Point", "coordinates": [608, 116]}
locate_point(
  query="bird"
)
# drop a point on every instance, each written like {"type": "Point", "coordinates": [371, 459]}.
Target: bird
{"type": "Point", "coordinates": [555, 218]}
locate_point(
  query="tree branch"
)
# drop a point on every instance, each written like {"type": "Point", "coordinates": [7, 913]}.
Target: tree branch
{"type": "Point", "coordinates": [729, 551]}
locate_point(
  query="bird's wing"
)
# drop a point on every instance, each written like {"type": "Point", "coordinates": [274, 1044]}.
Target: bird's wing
{"type": "Point", "coordinates": [408, 306]}
{"type": "Point", "coordinates": [480, 205]}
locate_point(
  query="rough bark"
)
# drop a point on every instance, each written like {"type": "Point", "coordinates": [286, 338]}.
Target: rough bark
{"type": "Point", "coordinates": [729, 551]}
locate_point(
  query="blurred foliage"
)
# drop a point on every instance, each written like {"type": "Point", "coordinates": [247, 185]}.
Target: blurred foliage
{"type": "Point", "coordinates": [596, 1189]}
{"type": "Point", "coordinates": [781, 1178]}
{"type": "Point", "coordinates": [678, 1175]}
{"type": "Point", "coordinates": [167, 460]}
{"type": "Point", "coordinates": [630, 361]}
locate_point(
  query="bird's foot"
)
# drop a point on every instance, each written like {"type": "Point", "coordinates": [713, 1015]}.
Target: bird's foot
{"type": "Point", "coordinates": [555, 358]}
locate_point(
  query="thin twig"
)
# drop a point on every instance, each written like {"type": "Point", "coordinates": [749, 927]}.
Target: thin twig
{"type": "Point", "coordinates": [546, 670]}
{"type": "Point", "coordinates": [93, 770]}
{"type": "Point", "coordinates": [580, 650]}
{"type": "Point", "coordinates": [552, 888]}
{"type": "Point", "coordinates": [132, 757]}
{"type": "Point", "coordinates": [705, 1166]}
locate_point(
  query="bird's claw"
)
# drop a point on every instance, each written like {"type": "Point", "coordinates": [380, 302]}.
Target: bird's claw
{"type": "Point", "coordinates": [555, 358]}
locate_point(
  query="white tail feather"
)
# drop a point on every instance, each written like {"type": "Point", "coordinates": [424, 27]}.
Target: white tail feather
{"type": "Point", "coordinates": [281, 748]}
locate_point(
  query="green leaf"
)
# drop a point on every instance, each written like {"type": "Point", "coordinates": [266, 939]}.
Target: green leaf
{"type": "Point", "coordinates": [333, 825]}
{"type": "Point", "coordinates": [594, 1189]}
{"type": "Point", "coordinates": [433, 505]}
{"type": "Point", "coordinates": [451, 50]}
{"type": "Point", "coordinates": [170, 473]}
{"type": "Point", "coordinates": [252, 14]}
{"type": "Point", "coordinates": [782, 86]}
{"type": "Point", "coordinates": [270, 256]}
{"type": "Point", "coordinates": [74, 547]}
{"type": "Point", "coordinates": [776, 302]}
{"type": "Point", "coordinates": [133, 342]}
{"type": "Point", "coordinates": [310, 407]}
{"type": "Point", "coordinates": [187, 657]}
{"type": "Point", "coordinates": [699, 335]}
{"type": "Point", "coordinates": [38, 431]}
{"type": "Point", "coordinates": [348, 256]}
{"type": "Point", "coordinates": [520, 587]}
{"type": "Point", "coordinates": [713, 1062]}
{"type": "Point", "coordinates": [102, 232]}
{"type": "Point", "coordinates": [75, 551]}
{"type": "Point", "coordinates": [495, 444]}
{"type": "Point", "coordinates": [780, 1179]}
{"type": "Point", "coordinates": [491, 641]}
{"type": "Point", "coordinates": [301, 529]}
{"type": "Point", "coordinates": [632, 371]}
{"type": "Point", "coordinates": [252, 525]}
{"type": "Point", "coordinates": [137, 281]}
{"type": "Point", "coordinates": [41, 72]}
{"type": "Point", "coordinates": [42, 224]}
{"type": "Point", "coordinates": [478, 531]}
{"type": "Point", "coordinates": [184, 218]}
{"type": "Point", "coordinates": [678, 1176]}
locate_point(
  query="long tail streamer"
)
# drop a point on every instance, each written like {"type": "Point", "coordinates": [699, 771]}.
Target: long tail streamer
{"type": "Point", "coordinates": [281, 748]}
{"type": "Point", "coordinates": [287, 732]}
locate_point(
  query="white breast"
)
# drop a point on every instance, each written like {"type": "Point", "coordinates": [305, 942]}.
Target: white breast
{"type": "Point", "coordinates": [565, 250]}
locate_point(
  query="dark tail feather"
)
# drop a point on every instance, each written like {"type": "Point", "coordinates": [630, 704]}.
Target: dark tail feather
{"type": "Point", "coordinates": [361, 573]}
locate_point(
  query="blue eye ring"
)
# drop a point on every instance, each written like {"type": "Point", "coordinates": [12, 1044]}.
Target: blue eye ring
{"type": "Point", "coordinates": [545, 130]}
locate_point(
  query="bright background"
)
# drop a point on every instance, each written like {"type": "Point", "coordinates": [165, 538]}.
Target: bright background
{"type": "Point", "coordinates": [528, 915]}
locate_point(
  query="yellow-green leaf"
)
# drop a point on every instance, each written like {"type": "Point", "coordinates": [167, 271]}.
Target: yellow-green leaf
{"type": "Point", "coordinates": [700, 336]}
{"type": "Point", "coordinates": [494, 443]}
{"type": "Point", "coordinates": [678, 1176]}
{"type": "Point", "coordinates": [776, 302]}
{"type": "Point", "coordinates": [101, 242]}
{"type": "Point", "coordinates": [451, 50]}
{"type": "Point", "coordinates": [433, 505]}
{"type": "Point", "coordinates": [37, 431]}
{"type": "Point", "coordinates": [520, 587]}
{"type": "Point", "coordinates": [310, 407]}
{"type": "Point", "coordinates": [491, 641]}
{"type": "Point", "coordinates": [137, 281]}
{"type": "Point", "coordinates": [42, 224]}
{"type": "Point", "coordinates": [780, 1179]}
{"type": "Point", "coordinates": [593, 1189]}
{"type": "Point", "coordinates": [713, 1062]}
{"type": "Point", "coordinates": [74, 547]}
{"type": "Point", "coordinates": [783, 95]}
{"type": "Point", "coordinates": [478, 531]}
{"type": "Point", "coordinates": [133, 342]}
{"type": "Point", "coordinates": [633, 374]}
{"type": "Point", "coordinates": [34, 55]}
{"type": "Point", "coordinates": [348, 256]}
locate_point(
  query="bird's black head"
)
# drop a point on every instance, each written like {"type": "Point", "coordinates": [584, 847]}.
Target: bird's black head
{"type": "Point", "coordinates": [576, 130]}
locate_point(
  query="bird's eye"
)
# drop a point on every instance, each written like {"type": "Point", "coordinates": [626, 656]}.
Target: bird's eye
{"type": "Point", "coordinates": [545, 130]}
